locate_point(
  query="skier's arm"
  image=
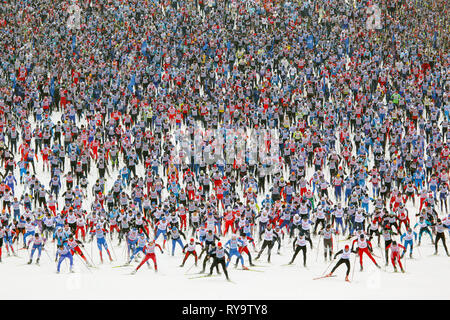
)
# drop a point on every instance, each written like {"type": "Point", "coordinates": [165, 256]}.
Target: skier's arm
{"type": "Point", "coordinates": [157, 245]}
{"type": "Point", "coordinates": [338, 253]}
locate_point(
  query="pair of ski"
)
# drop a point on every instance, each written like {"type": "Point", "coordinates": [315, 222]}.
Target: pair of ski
{"type": "Point", "coordinates": [293, 265]}
{"type": "Point", "coordinates": [30, 264]}
{"type": "Point", "coordinates": [123, 265]}
{"type": "Point", "coordinates": [327, 276]}
{"type": "Point", "coordinates": [210, 276]}
{"type": "Point", "coordinates": [254, 270]}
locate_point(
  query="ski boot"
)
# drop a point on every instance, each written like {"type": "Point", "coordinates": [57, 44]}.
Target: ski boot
{"type": "Point", "coordinates": [133, 272]}
{"type": "Point", "coordinates": [403, 270]}
{"type": "Point", "coordinates": [29, 262]}
{"type": "Point", "coordinates": [395, 269]}
{"type": "Point", "coordinates": [329, 275]}
{"type": "Point", "coordinates": [37, 261]}
{"type": "Point", "coordinates": [346, 279]}
{"type": "Point", "coordinates": [244, 268]}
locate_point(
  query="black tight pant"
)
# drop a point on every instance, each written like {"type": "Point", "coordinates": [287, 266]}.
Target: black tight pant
{"type": "Point", "coordinates": [319, 221]}
{"type": "Point", "coordinates": [440, 236]}
{"type": "Point", "coordinates": [297, 250]}
{"type": "Point", "coordinates": [341, 261]}
{"type": "Point", "coordinates": [266, 243]}
{"type": "Point", "coordinates": [215, 264]}
{"type": "Point", "coordinates": [206, 260]}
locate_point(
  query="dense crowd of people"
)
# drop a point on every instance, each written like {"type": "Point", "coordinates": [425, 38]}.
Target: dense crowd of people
{"type": "Point", "coordinates": [231, 123]}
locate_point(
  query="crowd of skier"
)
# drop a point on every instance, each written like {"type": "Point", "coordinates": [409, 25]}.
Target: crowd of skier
{"type": "Point", "coordinates": [219, 129]}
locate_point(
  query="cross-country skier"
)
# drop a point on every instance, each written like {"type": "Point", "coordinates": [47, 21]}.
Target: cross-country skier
{"type": "Point", "coordinates": [269, 241]}
{"type": "Point", "coordinates": [189, 249]}
{"type": "Point", "coordinates": [409, 236]}
{"type": "Point", "coordinates": [364, 246]}
{"type": "Point", "coordinates": [345, 258]}
{"type": "Point", "coordinates": [99, 232]}
{"type": "Point", "coordinates": [395, 254]}
{"type": "Point", "coordinates": [63, 253]}
{"type": "Point", "coordinates": [149, 250]}
{"type": "Point", "coordinates": [38, 244]}
{"type": "Point", "coordinates": [219, 258]}
{"type": "Point", "coordinates": [300, 245]}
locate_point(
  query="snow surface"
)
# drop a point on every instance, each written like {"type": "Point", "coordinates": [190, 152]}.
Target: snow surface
{"type": "Point", "coordinates": [427, 276]}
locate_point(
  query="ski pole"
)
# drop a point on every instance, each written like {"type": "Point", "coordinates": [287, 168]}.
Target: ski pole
{"type": "Point", "coordinates": [353, 267]}
{"type": "Point", "coordinates": [92, 254]}
{"type": "Point", "coordinates": [90, 258]}
{"type": "Point", "coordinates": [327, 267]}
{"type": "Point", "coordinates": [420, 253]}
{"type": "Point", "coordinates": [47, 254]}
{"type": "Point", "coordinates": [382, 254]}
{"type": "Point", "coordinates": [84, 263]}
{"type": "Point", "coordinates": [318, 245]}
{"type": "Point", "coordinates": [190, 268]}
{"type": "Point", "coordinates": [114, 252]}
{"type": "Point", "coordinates": [124, 253]}
{"type": "Point", "coordinates": [337, 242]}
